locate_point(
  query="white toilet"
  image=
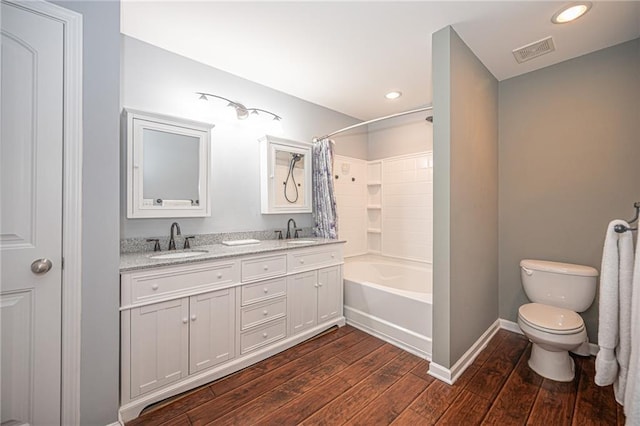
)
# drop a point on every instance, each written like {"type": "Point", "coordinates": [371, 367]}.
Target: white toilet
{"type": "Point", "coordinates": [558, 291]}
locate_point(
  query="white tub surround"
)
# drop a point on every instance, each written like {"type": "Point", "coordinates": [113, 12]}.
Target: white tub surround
{"type": "Point", "coordinates": [187, 322]}
{"type": "Point", "coordinates": [391, 299]}
{"type": "Point", "coordinates": [386, 206]}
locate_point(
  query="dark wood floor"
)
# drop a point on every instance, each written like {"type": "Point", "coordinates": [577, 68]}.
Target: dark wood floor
{"type": "Point", "coordinates": [349, 377]}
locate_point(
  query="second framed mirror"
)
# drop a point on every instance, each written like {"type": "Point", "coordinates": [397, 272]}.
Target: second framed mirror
{"type": "Point", "coordinates": [285, 175]}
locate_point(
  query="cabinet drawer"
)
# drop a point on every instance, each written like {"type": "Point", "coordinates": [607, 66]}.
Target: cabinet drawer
{"type": "Point", "coordinates": [264, 267]}
{"type": "Point", "coordinates": [252, 293]}
{"type": "Point", "coordinates": [263, 312]}
{"type": "Point", "coordinates": [263, 336]}
{"type": "Point", "coordinates": [312, 259]}
{"type": "Point", "coordinates": [156, 284]}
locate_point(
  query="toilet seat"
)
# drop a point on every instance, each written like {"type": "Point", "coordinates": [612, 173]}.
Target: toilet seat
{"type": "Point", "coordinates": [550, 319]}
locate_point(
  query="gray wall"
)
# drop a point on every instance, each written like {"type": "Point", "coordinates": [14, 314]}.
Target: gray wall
{"type": "Point", "coordinates": [465, 198]}
{"type": "Point", "coordinates": [159, 81]}
{"type": "Point", "coordinates": [399, 136]}
{"type": "Point", "coordinates": [100, 217]}
{"type": "Point", "coordinates": [569, 163]}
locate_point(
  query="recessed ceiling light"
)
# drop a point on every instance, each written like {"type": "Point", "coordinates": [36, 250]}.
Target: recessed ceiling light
{"type": "Point", "coordinates": [571, 12]}
{"type": "Point", "coordinates": [393, 95]}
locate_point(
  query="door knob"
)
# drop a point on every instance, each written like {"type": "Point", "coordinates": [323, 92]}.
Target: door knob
{"type": "Point", "coordinates": [41, 266]}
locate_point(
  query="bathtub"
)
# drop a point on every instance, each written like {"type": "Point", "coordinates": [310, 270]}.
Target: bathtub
{"type": "Point", "coordinates": [390, 299]}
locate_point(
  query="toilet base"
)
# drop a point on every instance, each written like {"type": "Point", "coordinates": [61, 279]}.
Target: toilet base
{"type": "Point", "coordinates": [557, 366]}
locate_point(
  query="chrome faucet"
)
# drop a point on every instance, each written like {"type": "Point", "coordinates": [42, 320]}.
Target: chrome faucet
{"type": "Point", "coordinates": [289, 227]}
{"type": "Point", "coordinates": [172, 242]}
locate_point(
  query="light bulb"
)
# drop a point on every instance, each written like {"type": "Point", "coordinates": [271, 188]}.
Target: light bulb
{"type": "Point", "coordinates": [571, 12]}
{"type": "Point", "coordinates": [393, 95]}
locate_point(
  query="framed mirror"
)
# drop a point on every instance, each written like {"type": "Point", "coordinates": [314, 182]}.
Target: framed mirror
{"type": "Point", "coordinates": [285, 175]}
{"type": "Point", "coordinates": [167, 166]}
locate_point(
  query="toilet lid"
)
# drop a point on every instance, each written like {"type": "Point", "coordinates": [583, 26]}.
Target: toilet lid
{"type": "Point", "coordinates": [550, 318]}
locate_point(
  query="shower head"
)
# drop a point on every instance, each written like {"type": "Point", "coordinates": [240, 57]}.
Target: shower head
{"type": "Point", "coordinates": [296, 157]}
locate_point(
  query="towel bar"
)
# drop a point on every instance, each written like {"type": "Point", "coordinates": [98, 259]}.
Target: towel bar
{"type": "Point", "coordinates": [621, 228]}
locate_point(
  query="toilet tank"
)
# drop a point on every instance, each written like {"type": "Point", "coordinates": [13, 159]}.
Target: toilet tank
{"type": "Point", "coordinates": [559, 284]}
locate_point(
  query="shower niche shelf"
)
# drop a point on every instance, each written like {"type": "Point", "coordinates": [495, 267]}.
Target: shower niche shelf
{"type": "Point", "coordinates": [285, 176]}
{"type": "Point", "coordinates": [374, 207]}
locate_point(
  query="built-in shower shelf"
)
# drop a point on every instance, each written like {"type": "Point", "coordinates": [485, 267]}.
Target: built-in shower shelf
{"type": "Point", "coordinates": [374, 206]}
{"type": "Point", "coordinates": [374, 183]}
{"type": "Point", "coordinates": [374, 231]}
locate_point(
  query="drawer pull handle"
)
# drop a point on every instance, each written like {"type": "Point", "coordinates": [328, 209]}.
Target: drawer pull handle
{"type": "Point", "coordinates": [265, 312]}
{"type": "Point", "coordinates": [265, 335]}
{"type": "Point", "coordinates": [333, 255]}
{"type": "Point", "coordinates": [193, 317]}
{"type": "Point", "coordinates": [266, 267]}
{"type": "Point", "coordinates": [219, 275]}
{"type": "Point", "coordinates": [185, 320]}
{"type": "Point", "coordinates": [154, 287]}
{"type": "Point", "coordinates": [266, 290]}
{"type": "Point", "coordinates": [301, 260]}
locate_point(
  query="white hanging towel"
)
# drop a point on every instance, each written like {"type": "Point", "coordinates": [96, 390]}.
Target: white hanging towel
{"type": "Point", "coordinates": [614, 329]}
{"type": "Point", "coordinates": [632, 393]}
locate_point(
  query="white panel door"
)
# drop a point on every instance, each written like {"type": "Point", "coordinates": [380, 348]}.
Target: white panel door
{"type": "Point", "coordinates": [329, 293]}
{"type": "Point", "coordinates": [302, 293]}
{"type": "Point", "coordinates": [212, 331]}
{"type": "Point", "coordinates": [159, 345]}
{"type": "Point", "coordinates": [31, 215]}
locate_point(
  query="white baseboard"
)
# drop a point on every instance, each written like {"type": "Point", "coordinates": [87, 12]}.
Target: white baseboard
{"type": "Point", "coordinates": [510, 326]}
{"type": "Point", "coordinates": [450, 375]}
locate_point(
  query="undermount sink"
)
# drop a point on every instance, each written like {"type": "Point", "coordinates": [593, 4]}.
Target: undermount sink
{"type": "Point", "coordinates": [179, 254]}
{"type": "Point", "coordinates": [301, 242]}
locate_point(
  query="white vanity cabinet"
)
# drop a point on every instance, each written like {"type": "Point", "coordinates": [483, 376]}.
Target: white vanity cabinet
{"type": "Point", "coordinates": [329, 293]}
{"type": "Point", "coordinates": [172, 339]}
{"type": "Point", "coordinates": [212, 329]}
{"type": "Point", "coordinates": [159, 345]}
{"type": "Point", "coordinates": [186, 325]}
{"type": "Point", "coordinates": [315, 297]}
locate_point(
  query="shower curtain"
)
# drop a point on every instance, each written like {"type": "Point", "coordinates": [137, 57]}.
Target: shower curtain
{"type": "Point", "coordinates": [324, 200]}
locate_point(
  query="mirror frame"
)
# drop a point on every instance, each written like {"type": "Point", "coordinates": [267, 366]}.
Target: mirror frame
{"type": "Point", "coordinates": [136, 122]}
{"type": "Point", "coordinates": [268, 186]}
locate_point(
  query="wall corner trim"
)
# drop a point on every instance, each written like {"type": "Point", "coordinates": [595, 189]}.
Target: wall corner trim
{"type": "Point", "coordinates": [450, 376]}
{"type": "Point", "coordinates": [510, 326]}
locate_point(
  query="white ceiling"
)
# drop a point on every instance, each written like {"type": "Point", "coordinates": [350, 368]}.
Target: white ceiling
{"type": "Point", "coordinates": [347, 55]}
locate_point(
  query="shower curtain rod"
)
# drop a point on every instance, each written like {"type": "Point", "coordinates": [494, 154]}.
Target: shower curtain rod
{"type": "Point", "coordinates": [364, 123]}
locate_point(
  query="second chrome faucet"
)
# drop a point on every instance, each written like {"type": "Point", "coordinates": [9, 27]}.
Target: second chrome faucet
{"type": "Point", "coordinates": [295, 229]}
{"type": "Point", "coordinates": [172, 241]}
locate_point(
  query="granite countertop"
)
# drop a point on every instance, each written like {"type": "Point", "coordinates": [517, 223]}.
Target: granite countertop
{"type": "Point", "coordinates": [136, 261]}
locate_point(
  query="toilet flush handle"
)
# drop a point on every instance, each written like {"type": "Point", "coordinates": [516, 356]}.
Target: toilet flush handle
{"type": "Point", "coordinates": [527, 271]}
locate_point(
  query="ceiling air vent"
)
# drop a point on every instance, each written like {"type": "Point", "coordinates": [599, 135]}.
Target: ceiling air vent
{"type": "Point", "coordinates": [533, 50]}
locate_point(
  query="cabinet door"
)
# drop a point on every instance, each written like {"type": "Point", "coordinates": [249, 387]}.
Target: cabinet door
{"type": "Point", "coordinates": [212, 331]}
{"type": "Point", "coordinates": [329, 293]}
{"type": "Point", "coordinates": [159, 345]}
{"type": "Point", "coordinates": [302, 293]}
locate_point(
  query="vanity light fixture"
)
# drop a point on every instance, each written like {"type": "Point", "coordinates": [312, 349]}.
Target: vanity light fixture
{"type": "Point", "coordinates": [242, 112]}
{"type": "Point", "coordinates": [393, 95]}
{"type": "Point", "coordinates": [571, 12]}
